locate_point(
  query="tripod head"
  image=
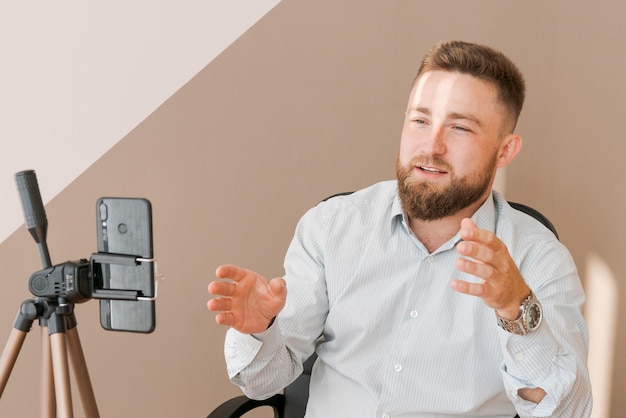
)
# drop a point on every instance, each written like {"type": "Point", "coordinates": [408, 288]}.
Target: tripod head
{"type": "Point", "coordinates": [70, 280]}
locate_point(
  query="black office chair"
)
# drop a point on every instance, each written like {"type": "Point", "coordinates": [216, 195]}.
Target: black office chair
{"type": "Point", "coordinates": [292, 402]}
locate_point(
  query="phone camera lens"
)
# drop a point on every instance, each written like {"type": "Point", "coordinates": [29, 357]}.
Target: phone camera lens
{"type": "Point", "coordinates": [103, 211]}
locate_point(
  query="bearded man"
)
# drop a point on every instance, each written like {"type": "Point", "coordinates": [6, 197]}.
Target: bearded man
{"type": "Point", "coordinates": [428, 296]}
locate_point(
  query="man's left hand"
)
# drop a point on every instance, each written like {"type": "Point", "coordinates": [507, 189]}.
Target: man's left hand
{"type": "Point", "coordinates": [503, 287]}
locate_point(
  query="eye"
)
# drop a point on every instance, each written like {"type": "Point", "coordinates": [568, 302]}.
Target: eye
{"type": "Point", "coordinates": [418, 120]}
{"type": "Point", "coordinates": [460, 128]}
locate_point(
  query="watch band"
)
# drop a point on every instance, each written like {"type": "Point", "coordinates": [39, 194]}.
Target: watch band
{"type": "Point", "coordinates": [528, 320]}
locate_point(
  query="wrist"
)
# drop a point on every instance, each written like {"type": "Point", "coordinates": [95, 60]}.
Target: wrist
{"type": "Point", "coordinates": [509, 314]}
{"type": "Point", "coordinates": [514, 312]}
{"type": "Point", "coordinates": [528, 319]}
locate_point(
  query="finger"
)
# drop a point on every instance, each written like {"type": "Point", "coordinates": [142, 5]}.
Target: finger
{"type": "Point", "coordinates": [231, 271]}
{"type": "Point", "coordinates": [224, 318]}
{"type": "Point", "coordinates": [476, 251]}
{"type": "Point", "coordinates": [478, 269]}
{"type": "Point", "coordinates": [222, 288]}
{"type": "Point", "coordinates": [471, 232]}
{"type": "Point", "coordinates": [220, 304]}
{"type": "Point", "coordinates": [468, 227]}
{"type": "Point", "coordinates": [467, 288]}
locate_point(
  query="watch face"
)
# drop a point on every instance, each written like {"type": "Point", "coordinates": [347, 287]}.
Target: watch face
{"type": "Point", "coordinates": [533, 316]}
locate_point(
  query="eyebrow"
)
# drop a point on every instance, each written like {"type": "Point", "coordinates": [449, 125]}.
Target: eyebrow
{"type": "Point", "coordinates": [452, 115]}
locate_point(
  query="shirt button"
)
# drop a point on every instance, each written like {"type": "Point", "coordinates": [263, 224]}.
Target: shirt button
{"type": "Point", "coordinates": [384, 416]}
{"type": "Point", "coordinates": [414, 314]}
{"type": "Point", "coordinates": [430, 259]}
{"type": "Point", "coordinates": [397, 367]}
{"type": "Point", "coordinates": [520, 356]}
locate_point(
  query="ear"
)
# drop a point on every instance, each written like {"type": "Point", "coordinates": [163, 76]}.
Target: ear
{"type": "Point", "coordinates": [509, 148]}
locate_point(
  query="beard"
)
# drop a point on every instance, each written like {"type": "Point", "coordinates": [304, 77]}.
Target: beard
{"type": "Point", "coordinates": [429, 200]}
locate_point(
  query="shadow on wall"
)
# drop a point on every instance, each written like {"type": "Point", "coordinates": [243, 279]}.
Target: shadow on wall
{"type": "Point", "coordinates": [601, 313]}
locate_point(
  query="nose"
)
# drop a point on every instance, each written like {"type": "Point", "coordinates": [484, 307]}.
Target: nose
{"type": "Point", "coordinates": [434, 142]}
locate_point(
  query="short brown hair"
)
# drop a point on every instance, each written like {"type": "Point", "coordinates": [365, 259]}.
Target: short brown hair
{"type": "Point", "coordinates": [482, 62]}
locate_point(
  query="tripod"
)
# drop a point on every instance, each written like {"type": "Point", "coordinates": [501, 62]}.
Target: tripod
{"type": "Point", "coordinates": [55, 313]}
{"type": "Point", "coordinates": [58, 332]}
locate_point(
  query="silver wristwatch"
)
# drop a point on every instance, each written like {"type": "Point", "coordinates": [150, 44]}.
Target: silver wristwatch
{"type": "Point", "coordinates": [529, 318]}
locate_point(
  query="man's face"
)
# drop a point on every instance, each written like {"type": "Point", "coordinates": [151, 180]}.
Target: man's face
{"type": "Point", "coordinates": [450, 144]}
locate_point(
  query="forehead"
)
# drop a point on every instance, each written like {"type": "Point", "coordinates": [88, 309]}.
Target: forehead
{"type": "Point", "coordinates": [453, 92]}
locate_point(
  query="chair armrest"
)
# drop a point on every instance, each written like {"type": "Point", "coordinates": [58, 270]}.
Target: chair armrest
{"type": "Point", "coordinates": [236, 407]}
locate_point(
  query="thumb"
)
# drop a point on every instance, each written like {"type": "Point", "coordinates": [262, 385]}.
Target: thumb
{"type": "Point", "coordinates": [278, 286]}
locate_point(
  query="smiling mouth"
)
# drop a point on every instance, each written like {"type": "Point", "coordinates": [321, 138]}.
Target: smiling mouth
{"type": "Point", "coordinates": [431, 170]}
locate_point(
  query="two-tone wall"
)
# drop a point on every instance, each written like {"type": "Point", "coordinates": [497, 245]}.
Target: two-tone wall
{"type": "Point", "coordinates": [232, 133]}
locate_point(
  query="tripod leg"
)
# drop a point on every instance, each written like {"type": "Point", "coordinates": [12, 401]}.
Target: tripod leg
{"type": "Point", "coordinates": [61, 375]}
{"type": "Point", "coordinates": [26, 315]}
{"type": "Point", "coordinates": [58, 345]}
{"type": "Point", "coordinates": [48, 401]}
{"type": "Point", "coordinates": [79, 365]}
{"type": "Point", "coordinates": [9, 356]}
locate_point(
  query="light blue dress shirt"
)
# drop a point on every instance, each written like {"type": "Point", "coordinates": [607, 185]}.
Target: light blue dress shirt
{"type": "Point", "coordinates": [394, 340]}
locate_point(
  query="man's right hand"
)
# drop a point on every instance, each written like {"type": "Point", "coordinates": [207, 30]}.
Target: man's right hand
{"type": "Point", "coordinates": [248, 302]}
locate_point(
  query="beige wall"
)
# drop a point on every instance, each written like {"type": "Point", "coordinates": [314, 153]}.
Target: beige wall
{"type": "Point", "coordinates": [307, 103]}
{"type": "Point", "coordinates": [77, 76]}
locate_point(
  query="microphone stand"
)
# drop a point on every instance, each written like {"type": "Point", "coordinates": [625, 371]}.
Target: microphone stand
{"type": "Point", "coordinates": [60, 340]}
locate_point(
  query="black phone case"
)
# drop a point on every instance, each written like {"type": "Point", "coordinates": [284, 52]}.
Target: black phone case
{"type": "Point", "coordinates": [125, 227]}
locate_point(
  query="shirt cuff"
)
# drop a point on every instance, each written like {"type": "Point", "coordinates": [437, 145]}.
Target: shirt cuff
{"type": "Point", "coordinates": [528, 357]}
{"type": "Point", "coordinates": [240, 349]}
{"type": "Point", "coordinates": [545, 408]}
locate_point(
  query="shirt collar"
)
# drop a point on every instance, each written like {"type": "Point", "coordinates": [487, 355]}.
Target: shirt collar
{"type": "Point", "coordinates": [397, 215]}
{"type": "Point", "coordinates": [484, 217]}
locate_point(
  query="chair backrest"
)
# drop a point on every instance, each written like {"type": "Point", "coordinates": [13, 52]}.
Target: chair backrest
{"type": "Point", "coordinates": [297, 393]}
{"type": "Point", "coordinates": [535, 214]}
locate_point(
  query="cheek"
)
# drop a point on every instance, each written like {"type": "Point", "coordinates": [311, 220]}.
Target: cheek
{"type": "Point", "coordinates": [405, 156]}
{"type": "Point", "coordinates": [480, 165]}
{"type": "Point", "coordinates": [408, 146]}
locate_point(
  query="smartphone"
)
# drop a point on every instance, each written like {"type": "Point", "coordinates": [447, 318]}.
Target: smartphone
{"type": "Point", "coordinates": [124, 227]}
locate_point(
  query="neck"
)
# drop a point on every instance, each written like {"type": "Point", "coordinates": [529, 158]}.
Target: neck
{"type": "Point", "coordinates": [433, 234]}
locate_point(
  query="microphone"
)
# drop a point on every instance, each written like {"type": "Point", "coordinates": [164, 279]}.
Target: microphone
{"type": "Point", "coordinates": [34, 212]}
